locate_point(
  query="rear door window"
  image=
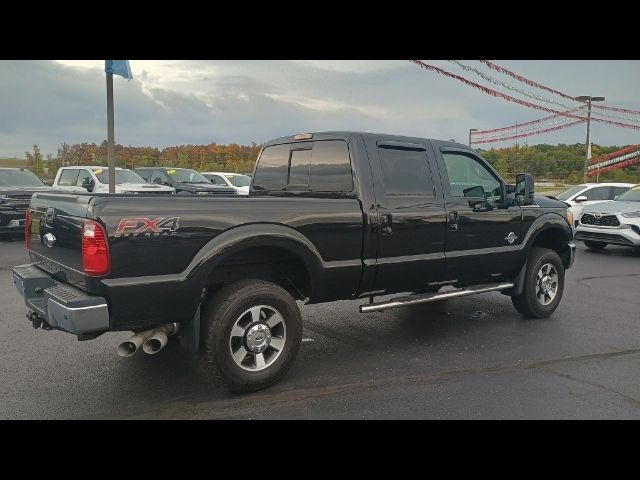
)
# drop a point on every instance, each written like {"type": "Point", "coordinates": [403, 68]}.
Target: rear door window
{"type": "Point", "coordinates": [406, 172]}
{"type": "Point", "coordinates": [597, 193]}
{"type": "Point", "coordinates": [68, 177]}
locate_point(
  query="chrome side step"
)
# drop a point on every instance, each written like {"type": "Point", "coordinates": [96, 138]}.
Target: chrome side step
{"type": "Point", "coordinates": [434, 297]}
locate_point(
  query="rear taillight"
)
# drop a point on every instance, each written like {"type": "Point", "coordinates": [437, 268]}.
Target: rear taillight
{"type": "Point", "coordinates": [95, 250]}
{"type": "Point", "coordinates": [27, 228]}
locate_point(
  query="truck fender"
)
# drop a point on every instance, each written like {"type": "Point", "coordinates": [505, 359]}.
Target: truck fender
{"type": "Point", "coordinates": [256, 235]}
{"type": "Point", "coordinates": [544, 223]}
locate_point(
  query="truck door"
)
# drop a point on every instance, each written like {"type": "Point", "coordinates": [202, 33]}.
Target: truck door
{"type": "Point", "coordinates": [483, 231]}
{"type": "Point", "coordinates": [411, 216]}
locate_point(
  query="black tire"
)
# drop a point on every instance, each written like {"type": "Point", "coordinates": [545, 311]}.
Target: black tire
{"type": "Point", "coordinates": [594, 245]}
{"type": "Point", "coordinates": [528, 303]}
{"type": "Point", "coordinates": [219, 317]}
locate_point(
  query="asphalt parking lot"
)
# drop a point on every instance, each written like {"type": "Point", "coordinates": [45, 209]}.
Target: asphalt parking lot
{"type": "Point", "coordinates": [471, 358]}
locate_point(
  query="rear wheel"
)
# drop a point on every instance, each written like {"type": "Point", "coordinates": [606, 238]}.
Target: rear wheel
{"type": "Point", "coordinates": [251, 333]}
{"type": "Point", "coordinates": [543, 284]}
{"type": "Point", "coordinates": [594, 245]}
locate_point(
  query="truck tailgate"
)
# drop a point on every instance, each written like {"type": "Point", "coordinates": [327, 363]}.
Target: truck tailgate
{"type": "Point", "coordinates": [56, 226]}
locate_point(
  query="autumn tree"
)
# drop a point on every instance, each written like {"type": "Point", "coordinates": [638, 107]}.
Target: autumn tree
{"type": "Point", "coordinates": [34, 161]}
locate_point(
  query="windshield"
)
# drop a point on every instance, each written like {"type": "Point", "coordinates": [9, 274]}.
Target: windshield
{"type": "Point", "coordinates": [239, 180]}
{"type": "Point", "coordinates": [122, 176]}
{"type": "Point", "coordinates": [19, 178]}
{"type": "Point", "coordinates": [183, 175]}
{"type": "Point", "coordinates": [632, 195]}
{"type": "Point", "coordinates": [570, 192]}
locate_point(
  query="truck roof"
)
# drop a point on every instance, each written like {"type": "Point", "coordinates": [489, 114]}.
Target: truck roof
{"type": "Point", "coordinates": [332, 134]}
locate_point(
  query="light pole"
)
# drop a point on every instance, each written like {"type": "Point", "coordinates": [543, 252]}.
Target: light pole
{"type": "Point", "coordinates": [589, 99]}
{"type": "Point", "coordinates": [471, 130]}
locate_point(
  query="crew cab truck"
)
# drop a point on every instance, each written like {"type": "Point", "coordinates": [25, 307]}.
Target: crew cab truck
{"type": "Point", "coordinates": [330, 216]}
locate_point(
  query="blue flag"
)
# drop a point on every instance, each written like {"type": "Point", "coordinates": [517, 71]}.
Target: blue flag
{"type": "Point", "coordinates": [118, 67]}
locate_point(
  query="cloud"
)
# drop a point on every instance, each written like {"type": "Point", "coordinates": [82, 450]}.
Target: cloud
{"type": "Point", "coordinates": [174, 102]}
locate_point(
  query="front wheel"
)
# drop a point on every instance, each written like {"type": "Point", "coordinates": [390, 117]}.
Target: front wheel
{"type": "Point", "coordinates": [594, 245]}
{"type": "Point", "coordinates": [252, 332]}
{"type": "Point", "coordinates": [543, 284]}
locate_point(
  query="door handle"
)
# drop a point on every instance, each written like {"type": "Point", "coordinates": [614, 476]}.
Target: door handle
{"type": "Point", "coordinates": [453, 220]}
{"type": "Point", "coordinates": [387, 220]}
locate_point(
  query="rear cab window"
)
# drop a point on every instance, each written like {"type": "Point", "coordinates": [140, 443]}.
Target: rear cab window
{"type": "Point", "coordinates": [321, 166]}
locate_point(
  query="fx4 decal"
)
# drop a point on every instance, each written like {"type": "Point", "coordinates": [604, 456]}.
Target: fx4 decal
{"type": "Point", "coordinates": [146, 227]}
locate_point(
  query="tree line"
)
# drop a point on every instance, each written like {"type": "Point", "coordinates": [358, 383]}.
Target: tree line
{"type": "Point", "coordinates": [559, 163]}
{"type": "Point", "coordinates": [211, 157]}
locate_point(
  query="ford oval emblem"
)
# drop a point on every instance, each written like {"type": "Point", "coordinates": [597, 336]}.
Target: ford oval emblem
{"type": "Point", "coordinates": [49, 239]}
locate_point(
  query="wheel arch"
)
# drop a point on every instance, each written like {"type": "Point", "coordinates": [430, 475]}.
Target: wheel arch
{"type": "Point", "coordinates": [243, 248]}
{"type": "Point", "coordinates": [553, 232]}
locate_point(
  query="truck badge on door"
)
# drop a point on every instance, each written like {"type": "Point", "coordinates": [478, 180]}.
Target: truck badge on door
{"type": "Point", "coordinates": [146, 227]}
{"type": "Point", "coordinates": [511, 237]}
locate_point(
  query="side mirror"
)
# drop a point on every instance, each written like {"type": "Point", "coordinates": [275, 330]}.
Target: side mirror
{"type": "Point", "coordinates": [524, 189]}
{"type": "Point", "coordinates": [88, 184]}
{"type": "Point", "coordinates": [580, 199]}
{"type": "Point", "coordinates": [158, 181]}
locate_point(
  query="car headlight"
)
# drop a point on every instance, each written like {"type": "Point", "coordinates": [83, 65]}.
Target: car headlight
{"type": "Point", "coordinates": [631, 214]}
{"type": "Point", "coordinates": [202, 193]}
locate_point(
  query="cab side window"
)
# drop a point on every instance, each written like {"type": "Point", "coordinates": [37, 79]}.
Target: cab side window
{"type": "Point", "coordinates": [218, 180]}
{"type": "Point", "coordinates": [597, 193]}
{"type": "Point", "coordinates": [469, 178]}
{"type": "Point", "coordinates": [82, 176]}
{"type": "Point", "coordinates": [68, 177]}
{"type": "Point", "coordinates": [159, 176]}
{"type": "Point", "coordinates": [617, 191]}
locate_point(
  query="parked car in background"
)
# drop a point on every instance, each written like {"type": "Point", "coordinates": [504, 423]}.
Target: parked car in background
{"type": "Point", "coordinates": [16, 187]}
{"type": "Point", "coordinates": [96, 180]}
{"type": "Point", "coordinates": [614, 222]}
{"type": "Point", "coordinates": [585, 194]}
{"type": "Point", "coordinates": [184, 180]}
{"type": "Point", "coordinates": [237, 181]}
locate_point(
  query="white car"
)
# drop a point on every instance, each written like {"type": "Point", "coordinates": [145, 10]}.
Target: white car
{"type": "Point", "coordinates": [236, 181]}
{"type": "Point", "coordinates": [96, 180]}
{"type": "Point", "coordinates": [590, 193]}
{"type": "Point", "coordinates": [614, 222]}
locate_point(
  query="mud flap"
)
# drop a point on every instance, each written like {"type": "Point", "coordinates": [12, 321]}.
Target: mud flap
{"type": "Point", "coordinates": [190, 334]}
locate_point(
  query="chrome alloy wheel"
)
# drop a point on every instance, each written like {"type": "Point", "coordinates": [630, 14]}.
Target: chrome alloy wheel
{"type": "Point", "coordinates": [546, 284]}
{"type": "Point", "coordinates": [257, 338]}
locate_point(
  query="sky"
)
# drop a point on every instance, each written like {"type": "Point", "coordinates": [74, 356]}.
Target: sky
{"type": "Point", "coordinates": [179, 102]}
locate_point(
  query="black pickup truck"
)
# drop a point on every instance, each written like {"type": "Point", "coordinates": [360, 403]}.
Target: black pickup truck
{"type": "Point", "coordinates": [330, 216]}
{"type": "Point", "coordinates": [16, 187]}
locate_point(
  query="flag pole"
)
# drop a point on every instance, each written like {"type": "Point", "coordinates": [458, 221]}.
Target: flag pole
{"type": "Point", "coordinates": [110, 141]}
